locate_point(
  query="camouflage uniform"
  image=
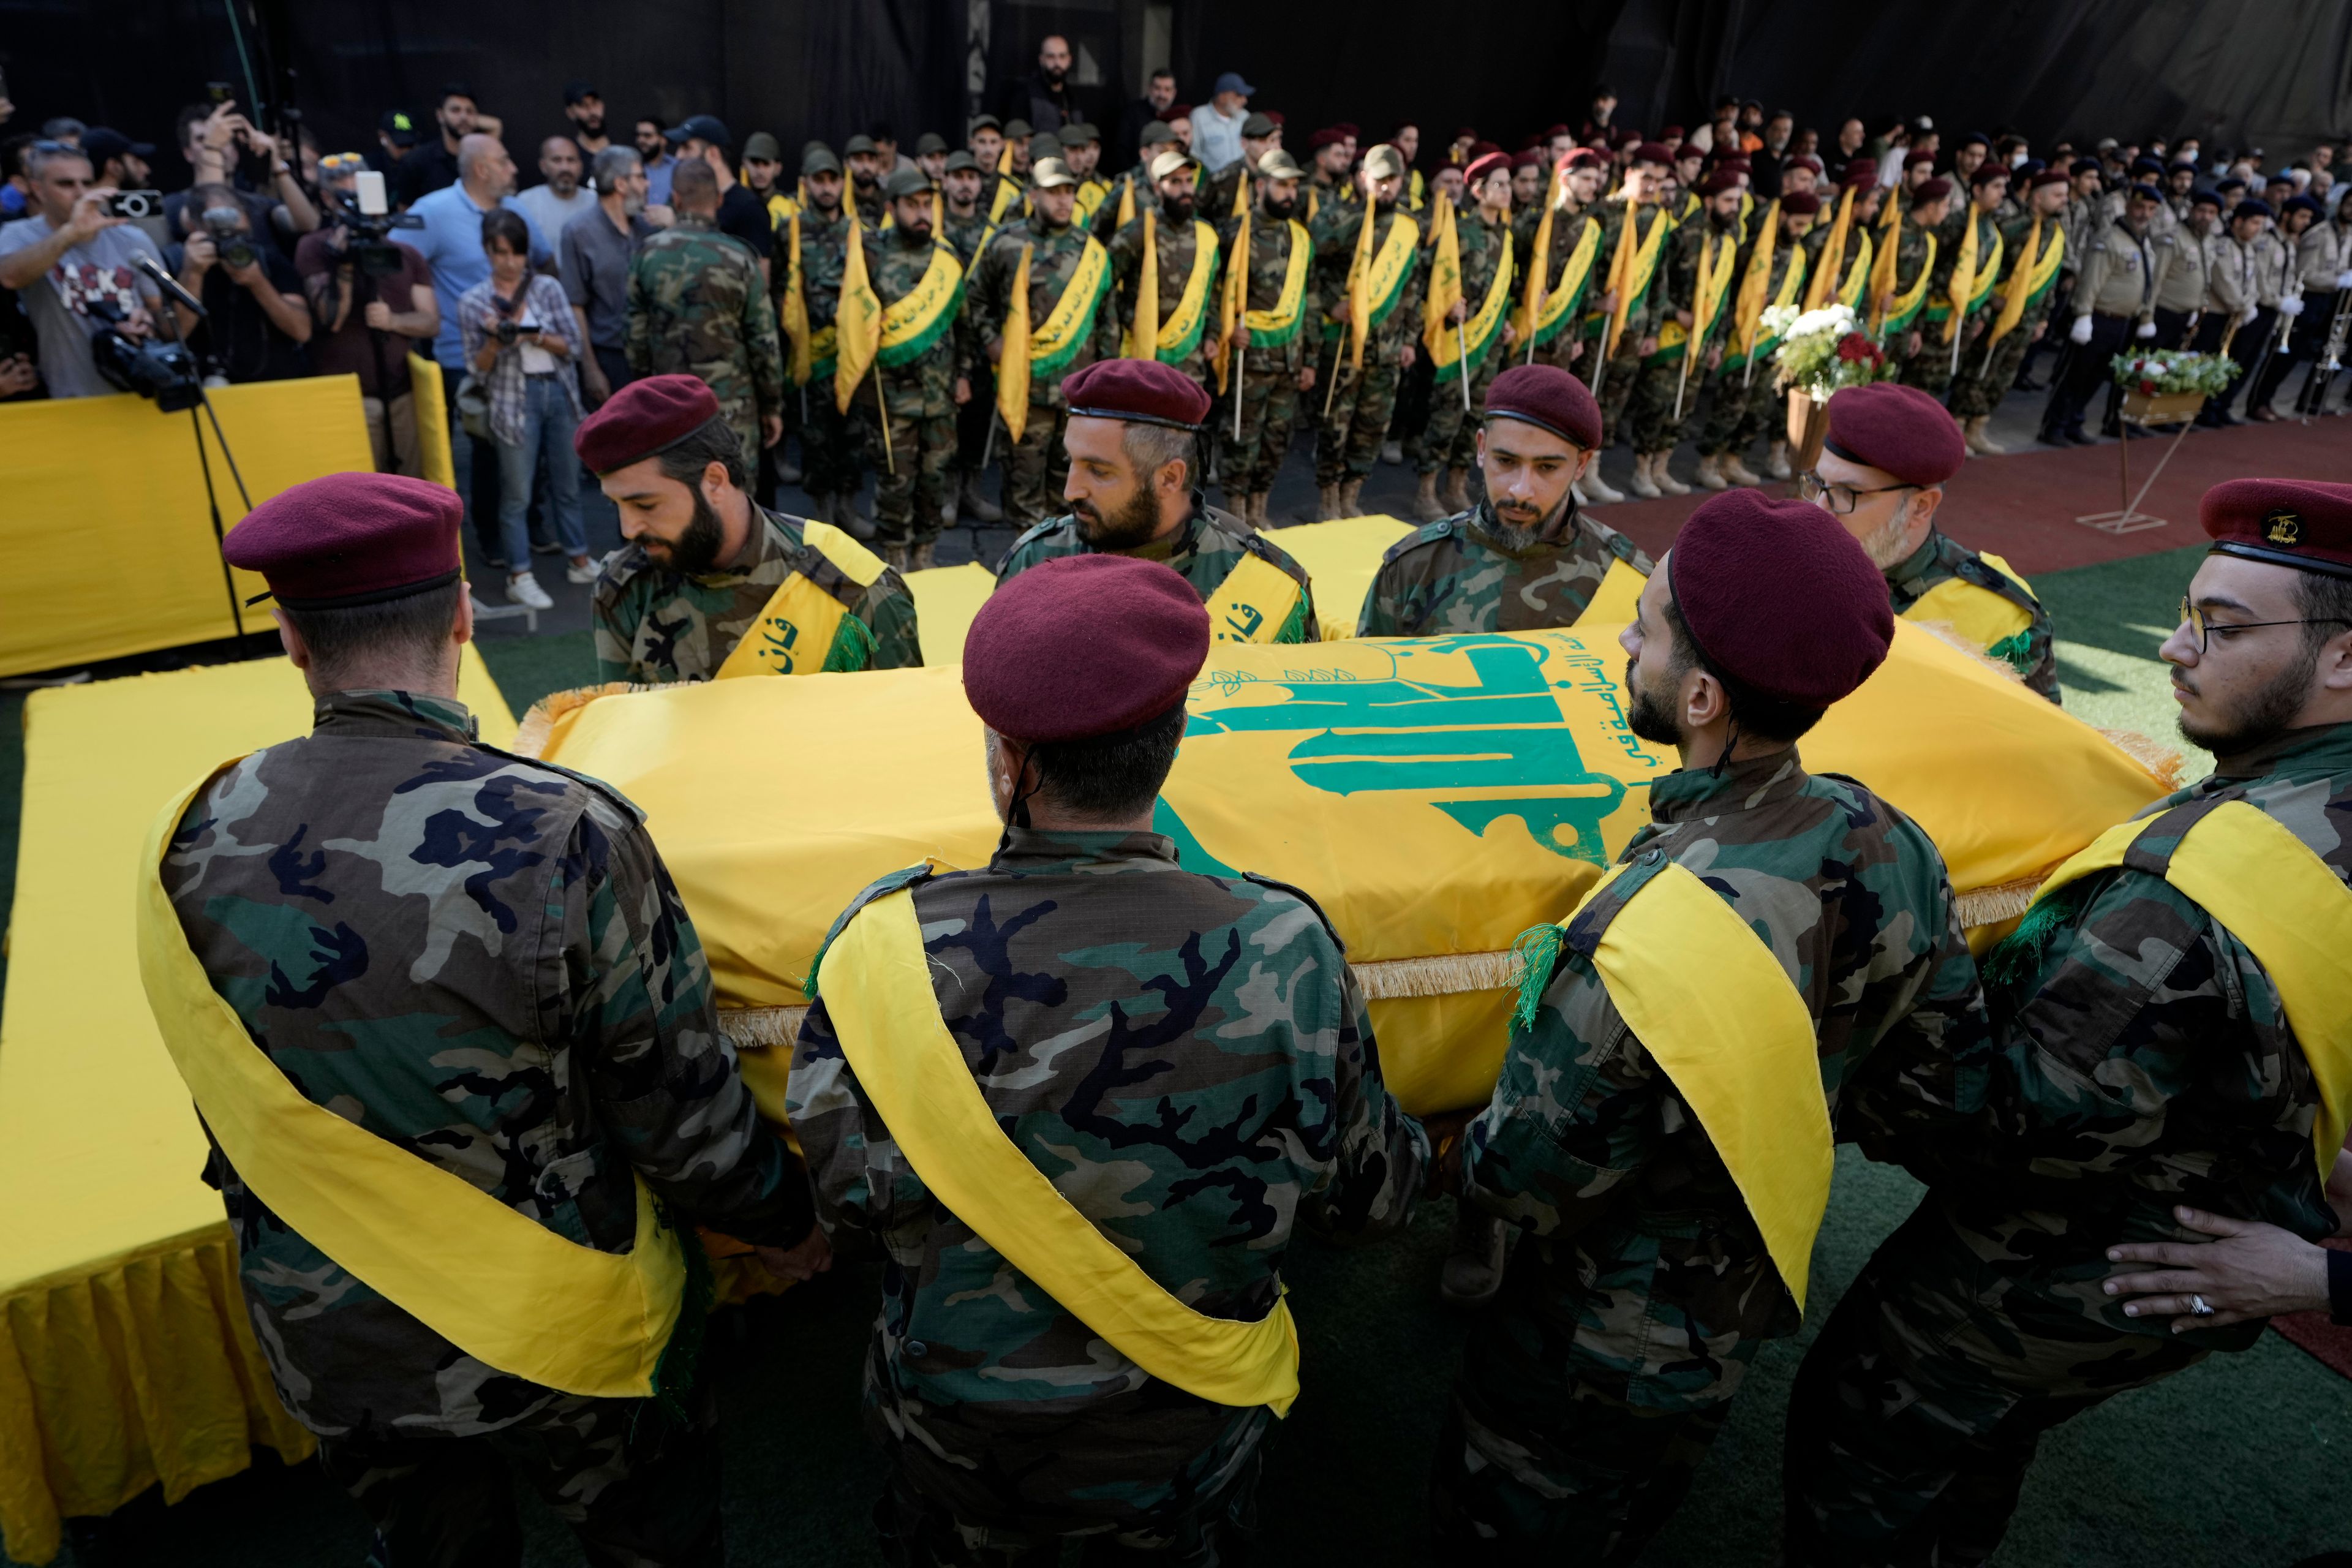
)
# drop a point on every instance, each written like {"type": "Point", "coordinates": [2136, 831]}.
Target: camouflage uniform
{"type": "Point", "coordinates": [1462, 574]}
{"type": "Point", "coordinates": [1269, 388]}
{"type": "Point", "coordinates": [832, 444]}
{"type": "Point", "coordinates": [1204, 552]}
{"type": "Point", "coordinates": [1449, 440]}
{"type": "Point", "coordinates": [1651, 419]}
{"type": "Point", "coordinates": [1615, 387]}
{"type": "Point", "coordinates": [1930, 370]}
{"type": "Point", "coordinates": [964, 236]}
{"type": "Point", "coordinates": [1943, 558]}
{"type": "Point", "coordinates": [1036, 465]}
{"type": "Point", "coordinates": [482, 960]}
{"type": "Point", "coordinates": [1177, 243]}
{"type": "Point", "coordinates": [697, 306]}
{"type": "Point", "coordinates": [1910, 256]}
{"type": "Point", "coordinates": [1075, 970]}
{"type": "Point", "coordinates": [655, 626]}
{"type": "Point", "coordinates": [1349, 434]}
{"type": "Point", "coordinates": [1748, 404]}
{"type": "Point", "coordinates": [1977, 390]}
{"type": "Point", "coordinates": [1569, 349]}
{"type": "Point", "coordinates": [917, 398]}
{"type": "Point", "coordinates": [2144, 1060]}
{"type": "Point", "coordinates": [1626, 1324]}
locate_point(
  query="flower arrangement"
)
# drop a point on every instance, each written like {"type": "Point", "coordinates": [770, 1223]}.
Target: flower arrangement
{"type": "Point", "coordinates": [2169, 374]}
{"type": "Point", "coordinates": [1823, 351]}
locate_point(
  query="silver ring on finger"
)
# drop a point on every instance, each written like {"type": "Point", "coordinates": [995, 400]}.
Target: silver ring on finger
{"type": "Point", "coordinates": [2200, 1308]}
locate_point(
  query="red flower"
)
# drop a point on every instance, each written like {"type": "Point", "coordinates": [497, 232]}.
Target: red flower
{"type": "Point", "coordinates": [2148, 389]}
{"type": "Point", "coordinates": [1853, 348]}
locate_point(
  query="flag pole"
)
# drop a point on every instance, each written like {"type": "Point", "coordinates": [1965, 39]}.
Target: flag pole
{"type": "Point", "coordinates": [1461, 361]}
{"type": "Point", "coordinates": [882, 407]}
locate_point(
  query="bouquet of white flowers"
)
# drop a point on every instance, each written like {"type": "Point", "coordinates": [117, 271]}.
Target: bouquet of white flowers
{"type": "Point", "coordinates": [1824, 350]}
{"type": "Point", "coordinates": [2172, 375]}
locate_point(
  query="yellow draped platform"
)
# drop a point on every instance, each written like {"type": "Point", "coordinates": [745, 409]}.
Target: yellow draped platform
{"type": "Point", "coordinates": [126, 1359]}
{"type": "Point", "coordinates": [105, 538]}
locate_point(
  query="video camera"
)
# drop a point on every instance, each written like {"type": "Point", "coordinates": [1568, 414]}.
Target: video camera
{"type": "Point", "coordinates": [369, 219]}
{"type": "Point", "coordinates": [164, 373]}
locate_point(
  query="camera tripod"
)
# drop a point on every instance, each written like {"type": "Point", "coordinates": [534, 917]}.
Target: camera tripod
{"type": "Point", "coordinates": [175, 291]}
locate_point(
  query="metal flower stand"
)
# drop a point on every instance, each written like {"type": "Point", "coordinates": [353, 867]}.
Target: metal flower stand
{"type": "Point", "coordinates": [2146, 409]}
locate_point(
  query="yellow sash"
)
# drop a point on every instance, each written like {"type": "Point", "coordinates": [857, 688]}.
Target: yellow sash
{"type": "Point", "coordinates": [1740, 1048]}
{"type": "Point", "coordinates": [1630, 268]}
{"type": "Point", "coordinates": [2268, 890]}
{"type": "Point", "coordinates": [1559, 301]}
{"type": "Point", "coordinates": [1717, 255]}
{"type": "Point", "coordinates": [877, 992]}
{"type": "Point", "coordinates": [802, 629]}
{"type": "Point", "coordinates": [1857, 275]}
{"type": "Point", "coordinates": [1090, 198]}
{"type": "Point", "coordinates": [1979, 614]}
{"type": "Point", "coordinates": [916, 319]}
{"type": "Point", "coordinates": [1052, 346]}
{"type": "Point", "coordinates": [1390, 263]}
{"type": "Point", "coordinates": [1274, 328]}
{"type": "Point", "coordinates": [1180, 332]}
{"type": "Point", "coordinates": [500, 1287]}
{"type": "Point", "coordinates": [1905, 307]}
{"type": "Point", "coordinates": [1254, 603]}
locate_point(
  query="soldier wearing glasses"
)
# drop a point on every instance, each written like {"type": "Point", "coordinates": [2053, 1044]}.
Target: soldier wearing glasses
{"type": "Point", "coordinates": [2153, 1063]}
{"type": "Point", "coordinates": [1882, 472]}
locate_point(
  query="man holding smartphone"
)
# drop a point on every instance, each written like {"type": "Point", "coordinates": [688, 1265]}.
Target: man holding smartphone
{"type": "Point", "coordinates": [370, 319]}
{"type": "Point", "coordinates": [90, 261]}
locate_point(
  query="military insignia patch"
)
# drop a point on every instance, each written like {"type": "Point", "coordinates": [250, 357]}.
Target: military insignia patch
{"type": "Point", "coordinates": [2282, 527]}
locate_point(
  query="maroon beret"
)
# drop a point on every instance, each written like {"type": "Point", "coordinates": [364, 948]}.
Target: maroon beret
{"type": "Point", "coordinates": [350, 539]}
{"type": "Point", "coordinates": [641, 419]}
{"type": "Point", "coordinates": [1915, 159]}
{"type": "Point", "coordinates": [1493, 163]}
{"type": "Point", "coordinates": [1934, 190]}
{"type": "Point", "coordinates": [1987, 174]}
{"type": "Point", "coordinates": [1801, 202]}
{"type": "Point", "coordinates": [2048, 177]}
{"type": "Point", "coordinates": [1735, 163]}
{"type": "Point", "coordinates": [1671, 134]}
{"type": "Point", "coordinates": [1529, 158]}
{"type": "Point", "coordinates": [1552, 130]}
{"type": "Point", "coordinates": [1348, 129]}
{"type": "Point", "coordinates": [1900, 430]}
{"type": "Point", "coordinates": [2290, 523]}
{"type": "Point", "coordinates": [1480, 149]}
{"type": "Point", "coordinates": [1327, 137]}
{"type": "Point", "coordinates": [1779, 596]}
{"type": "Point", "coordinates": [1468, 134]}
{"type": "Point", "coordinates": [1861, 175]}
{"type": "Point", "coordinates": [1583, 158]}
{"type": "Point", "coordinates": [1805, 161]}
{"type": "Point", "coordinates": [1548, 398]}
{"type": "Point", "coordinates": [1716, 184]}
{"type": "Point", "coordinates": [1083, 646]}
{"type": "Point", "coordinates": [1142, 391]}
{"type": "Point", "coordinates": [1652, 152]}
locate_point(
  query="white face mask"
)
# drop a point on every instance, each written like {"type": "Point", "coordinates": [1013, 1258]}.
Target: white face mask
{"type": "Point", "coordinates": [2017, 159]}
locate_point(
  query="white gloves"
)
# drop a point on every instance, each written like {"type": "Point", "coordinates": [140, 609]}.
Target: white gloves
{"type": "Point", "coordinates": [2252, 311]}
{"type": "Point", "coordinates": [2081, 333]}
{"type": "Point", "coordinates": [2146, 330]}
{"type": "Point", "coordinates": [2291, 306]}
{"type": "Point", "coordinates": [2343, 278]}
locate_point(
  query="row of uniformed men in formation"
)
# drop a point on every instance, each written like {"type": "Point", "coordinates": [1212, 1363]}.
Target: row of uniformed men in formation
{"type": "Point", "coordinates": [1255, 277]}
{"type": "Point", "coordinates": [1080, 1099]}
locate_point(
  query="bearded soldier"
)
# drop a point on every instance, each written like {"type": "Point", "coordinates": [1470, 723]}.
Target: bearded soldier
{"type": "Point", "coordinates": [1361, 398]}
{"type": "Point", "coordinates": [1272, 334]}
{"type": "Point", "coordinates": [1633, 229]}
{"type": "Point", "coordinates": [2034, 250]}
{"type": "Point", "coordinates": [710, 584]}
{"type": "Point", "coordinates": [1171, 249]}
{"type": "Point", "coordinates": [1749, 399]}
{"type": "Point", "coordinates": [1134, 489]}
{"type": "Point", "coordinates": [1946, 320]}
{"type": "Point", "coordinates": [1692, 302]}
{"type": "Point", "coordinates": [1478, 326]}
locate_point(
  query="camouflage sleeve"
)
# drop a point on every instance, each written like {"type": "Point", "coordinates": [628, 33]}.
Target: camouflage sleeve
{"type": "Point", "coordinates": [1378, 618]}
{"type": "Point", "coordinates": [766, 346]}
{"type": "Point", "coordinates": [1026, 553]}
{"type": "Point", "coordinates": [2042, 655]}
{"type": "Point", "coordinates": [1126, 248]}
{"type": "Point", "coordinates": [864, 1186]}
{"type": "Point", "coordinates": [616, 632]}
{"type": "Point", "coordinates": [1378, 1153]}
{"type": "Point", "coordinates": [1574, 1114]}
{"type": "Point", "coordinates": [887, 609]}
{"type": "Point", "coordinates": [637, 340]}
{"type": "Point", "coordinates": [986, 291]}
{"type": "Point", "coordinates": [664, 1077]}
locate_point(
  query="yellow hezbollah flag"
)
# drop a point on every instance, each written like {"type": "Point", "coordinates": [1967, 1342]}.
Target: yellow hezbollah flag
{"type": "Point", "coordinates": [1444, 274]}
{"type": "Point", "coordinates": [2012, 304]}
{"type": "Point", "coordinates": [1539, 269]}
{"type": "Point", "coordinates": [1143, 333]}
{"type": "Point", "coordinates": [1359, 288]}
{"type": "Point", "coordinates": [1012, 364]}
{"type": "Point", "coordinates": [1748, 309]}
{"type": "Point", "coordinates": [1436, 795]}
{"type": "Point", "coordinates": [793, 316]}
{"type": "Point", "coordinates": [1882, 270]}
{"type": "Point", "coordinates": [1832, 256]}
{"type": "Point", "coordinates": [857, 321]}
{"type": "Point", "coordinates": [1232, 302]}
{"type": "Point", "coordinates": [1963, 284]}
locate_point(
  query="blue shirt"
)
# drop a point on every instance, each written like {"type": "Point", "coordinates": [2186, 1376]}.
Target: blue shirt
{"type": "Point", "coordinates": [657, 175]}
{"type": "Point", "coordinates": [451, 241]}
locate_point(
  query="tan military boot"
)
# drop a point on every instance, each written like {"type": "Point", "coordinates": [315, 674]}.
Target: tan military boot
{"type": "Point", "coordinates": [1326, 503]}
{"type": "Point", "coordinates": [1457, 489]}
{"type": "Point", "coordinates": [1710, 475]}
{"type": "Point", "coordinates": [1426, 506]}
{"type": "Point", "coordinates": [922, 558]}
{"type": "Point", "coordinates": [896, 556]}
{"type": "Point", "coordinates": [1644, 484]}
{"type": "Point", "coordinates": [1665, 477]}
{"type": "Point", "coordinates": [1737, 472]}
{"type": "Point", "coordinates": [1598, 490]}
{"type": "Point", "coordinates": [1351, 499]}
{"type": "Point", "coordinates": [1979, 439]}
{"type": "Point", "coordinates": [1776, 461]}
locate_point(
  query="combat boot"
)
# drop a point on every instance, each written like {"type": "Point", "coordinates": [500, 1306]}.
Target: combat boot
{"type": "Point", "coordinates": [1664, 477]}
{"type": "Point", "coordinates": [975, 504]}
{"type": "Point", "coordinates": [895, 556]}
{"type": "Point", "coordinates": [1473, 1270]}
{"type": "Point", "coordinates": [923, 557]}
{"type": "Point", "coordinates": [1457, 489]}
{"type": "Point", "coordinates": [1644, 484]}
{"type": "Point", "coordinates": [1351, 499]}
{"type": "Point", "coordinates": [1426, 506]}
{"type": "Point", "coordinates": [851, 520]}
{"type": "Point", "coordinates": [1257, 517]}
{"type": "Point", "coordinates": [1576, 488]}
{"type": "Point", "coordinates": [1737, 472]}
{"type": "Point", "coordinates": [1598, 490]}
{"type": "Point", "coordinates": [1776, 461]}
{"type": "Point", "coordinates": [1980, 441]}
{"type": "Point", "coordinates": [1710, 474]}
{"type": "Point", "coordinates": [1326, 503]}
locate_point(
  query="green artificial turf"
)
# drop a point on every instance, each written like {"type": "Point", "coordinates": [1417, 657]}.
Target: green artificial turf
{"type": "Point", "coordinates": [2236, 1462]}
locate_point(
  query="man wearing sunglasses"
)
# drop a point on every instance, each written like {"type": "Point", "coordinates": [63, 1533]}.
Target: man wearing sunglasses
{"type": "Point", "coordinates": [1882, 472]}
{"type": "Point", "coordinates": [2173, 1037]}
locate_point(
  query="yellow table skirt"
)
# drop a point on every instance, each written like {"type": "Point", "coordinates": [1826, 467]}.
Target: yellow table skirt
{"type": "Point", "coordinates": [128, 1360]}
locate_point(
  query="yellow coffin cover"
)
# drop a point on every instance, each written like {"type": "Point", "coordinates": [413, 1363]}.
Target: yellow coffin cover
{"type": "Point", "coordinates": [1437, 796]}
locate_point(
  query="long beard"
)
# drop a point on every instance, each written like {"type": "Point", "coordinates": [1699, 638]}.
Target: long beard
{"type": "Point", "coordinates": [1178, 208]}
{"type": "Point", "coordinates": [1281, 209]}
{"type": "Point", "coordinates": [1650, 717]}
{"type": "Point", "coordinates": [2266, 714]}
{"type": "Point", "coordinates": [1133, 525]}
{"type": "Point", "coordinates": [696, 550]}
{"type": "Point", "coordinates": [1519, 536]}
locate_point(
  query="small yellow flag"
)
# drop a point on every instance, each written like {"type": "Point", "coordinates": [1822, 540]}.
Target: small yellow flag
{"type": "Point", "coordinates": [2012, 304]}
{"type": "Point", "coordinates": [794, 317]}
{"type": "Point", "coordinates": [1144, 337]}
{"type": "Point", "coordinates": [1012, 364]}
{"type": "Point", "coordinates": [1881, 271]}
{"type": "Point", "coordinates": [1748, 310]}
{"type": "Point", "coordinates": [1359, 288]}
{"type": "Point", "coordinates": [1963, 286]}
{"type": "Point", "coordinates": [857, 321]}
{"type": "Point", "coordinates": [1445, 289]}
{"type": "Point", "coordinates": [1126, 202]}
{"type": "Point", "coordinates": [1531, 306]}
{"type": "Point", "coordinates": [1832, 257]}
{"type": "Point", "coordinates": [1235, 301]}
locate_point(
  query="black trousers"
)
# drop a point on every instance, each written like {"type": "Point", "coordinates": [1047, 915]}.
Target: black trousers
{"type": "Point", "coordinates": [2171, 329]}
{"type": "Point", "coordinates": [2319, 313]}
{"type": "Point", "coordinates": [2082, 372]}
{"type": "Point", "coordinates": [2246, 348]}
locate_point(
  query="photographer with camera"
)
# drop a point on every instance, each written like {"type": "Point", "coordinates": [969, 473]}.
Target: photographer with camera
{"type": "Point", "coordinates": [88, 261]}
{"type": "Point", "coordinates": [257, 319]}
{"type": "Point", "coordinates": [373, 298]}
{"type": "Point", "coordinates": [522, 343]}
{"type": "Point", "coordinates": [223, 148]}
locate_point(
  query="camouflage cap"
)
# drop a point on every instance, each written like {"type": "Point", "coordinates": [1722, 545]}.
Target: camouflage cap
{"type": "Point", "coordinates": [1015, 129]}
{"type": "Point", "coordinates": [963, 163]}
{"type": "Point", "coordinates": [928, 143]}
{"type": "Point", "coordinates": [1278, 164]}
{"type": "Point", "coordinates": [1170, 163]}
{"type": "Point", "coordinates": [1384, 162]}
{"type": "Point", "coordinates": [819, 159]}
{"type": "Point", "coordinates": [856, 145]}
{"type": "Point", "coordinates": [1079, 133]}
{"type": "Point", "coordinates": [980, 122]}
{"type": "Point", "coordinates": [1153, 134]}
{"type": "Point", "coordinates": [1260, 125]}
{"type": "Point", "coordinates": [1051, 173]}
{"type": "Point", "coordinates": [762, 146]}
{"type": "Point", "coordinates": [902, 182]}
{"type": "Point", "coordinates": [1044, 144]}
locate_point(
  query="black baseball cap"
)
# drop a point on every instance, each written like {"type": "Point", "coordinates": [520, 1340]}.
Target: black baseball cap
{"type": "Point", "coordinates": [700, 128]}
{"type": "Point", "coordinates": [103, 141]}
{"type": "Point", "coordinates": [573, 92]}
{"type": "Point", "coordinates": [398, 125]}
